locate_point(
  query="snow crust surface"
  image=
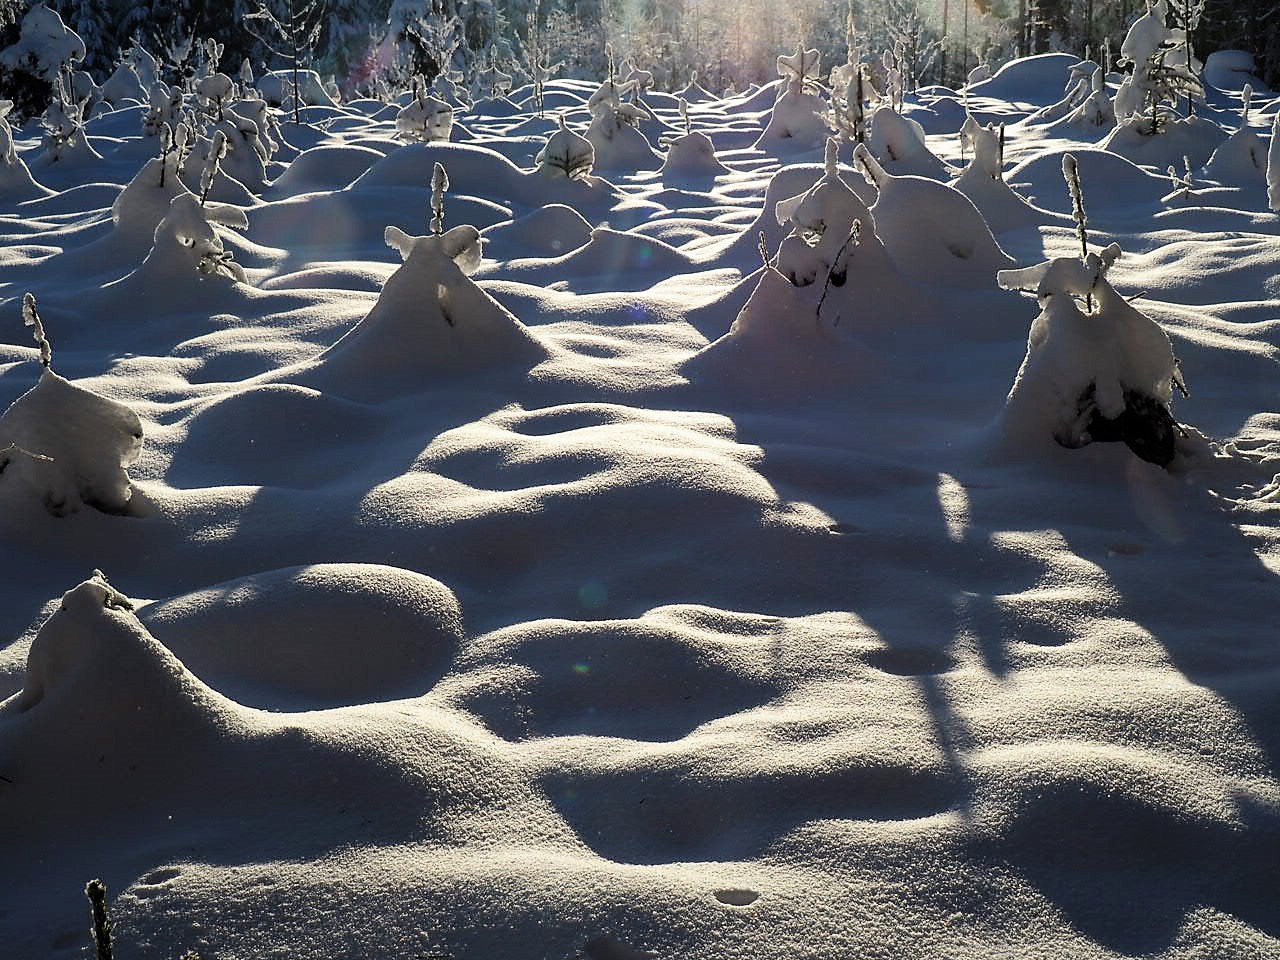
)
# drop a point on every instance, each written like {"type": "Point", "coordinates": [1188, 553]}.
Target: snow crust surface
{"type": "Point", "coordinates": [610, 587]}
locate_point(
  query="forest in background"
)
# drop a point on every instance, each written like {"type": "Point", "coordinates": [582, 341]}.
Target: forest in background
{"type": "Point", "coordinates": [370, 46]}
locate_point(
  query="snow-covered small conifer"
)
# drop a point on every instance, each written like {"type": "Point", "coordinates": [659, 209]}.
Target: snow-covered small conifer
{"type": "Point", "coordinates": [424, 118]}
{"type": "Point", "coordinates": [566, 154]}
{"type": "Point", "coordinates": [31, 318]}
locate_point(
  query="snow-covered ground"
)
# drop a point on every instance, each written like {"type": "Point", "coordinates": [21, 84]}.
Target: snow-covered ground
{"type": "Point", "coordinates": [614, 593]}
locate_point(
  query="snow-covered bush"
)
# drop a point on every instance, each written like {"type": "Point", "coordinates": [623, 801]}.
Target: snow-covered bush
{"type": "Point", "coordinates": [1096, 369]}
{"type": "Point", "coordinates": [1163, 71]}
{"type": "Point", "coordinates": [164, 105]}
{"type": "Point", "coordinates": [693, 153]}
{"type": "Point", "coordinates": [16, 182]}
{"type": "Point", "coordinates": [46, 48]}
{"type": "Point", "coordinates": [613, 131]}
{"type": "Point", "coordinates": [825, 221]}
{"type": "Point", "coordinates": [798, 118]}
{"type": "Point", "coordinates": [64, 139]}
{"type": "Point", "coordinates": [424, 118]}
{"type": "Point", "coordinates": [64, 445]}
{"type": "Point", "coordinates": [186, 243]}
{"type": "Point", "coordinates": [898, 143]}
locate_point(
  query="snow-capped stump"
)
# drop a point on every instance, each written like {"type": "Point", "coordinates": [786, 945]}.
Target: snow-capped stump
{"type": "Point", "coordinates": [797, 119]}
{"type": "Point", "coordinates": [430, 320]}
{"type": "Point", "coordinates": [933, 232]}
{"type": "Point", "coordinates": [1097, 370]}
{"type": "Point", "coordinates": [424, 118]}
{"type": "Point", "coordinates": [66, 446]}
{"type": "Point", "coordinates": [566, 154]}
{"type": "Point", "coordinates": [898, 143]}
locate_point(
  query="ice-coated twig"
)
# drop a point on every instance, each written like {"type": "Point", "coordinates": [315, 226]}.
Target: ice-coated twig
{"type": "Point", "coordinates": [1071, 173]}
{"type": "Point", "coordinates": [840, 266]}
{"type": "Point", "coordinates": [31, 318]}
{"type": "Point", "coordinates": [439, 184]}
{"type": "Point", "coordinates": [217, 150]}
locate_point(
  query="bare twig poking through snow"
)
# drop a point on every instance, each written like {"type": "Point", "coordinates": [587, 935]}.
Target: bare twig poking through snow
{"type": "Point", "coordinates": [96, 891]}
{"type": "Point", "coordinates": [112, 599]}
{"type": "Point", "coordinates": [1071, 173]}
{"type": "Point", "coordinates": [32, 319]}
{"type": "Point", "coordinates": [764, 250]}
{"type": "Point", "coordinates": [839, 269]}
{"type": "Point", "coordinates": [439, 184]}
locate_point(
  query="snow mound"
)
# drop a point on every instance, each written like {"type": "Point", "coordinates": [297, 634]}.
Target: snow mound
{"type": "Point", "coordinates": [1037, 80]}
{"type": "Point", "coordinates": [549, 231]}
{"type": "Point", "coordinates": [1111, 183]}
{"type": "Point", "coordinates": [313, 637]}
{"type": "Point", "coordinates": [324, 168]}
{"type": "Point", "coordinates": [68, 447]}
{"type": "Point", "coordinates": [1231, 70]}
{"type": "Point", "coordinates": [898, 142]}
{"type": "Point", "coordinates": [933, 232]}
{"type": "Point", "coordinates": [983, 183]}
{"type": "Point", "coordinates": [694, 154]}
{"type": "Point", "coordinates": [431, 321]}
{"type": "Point", "coordinates": [1193, 137]}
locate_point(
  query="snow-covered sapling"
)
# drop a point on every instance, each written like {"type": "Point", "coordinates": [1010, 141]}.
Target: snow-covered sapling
{"type": "Point", "coordinates": [96, 891]}
{"type": "Point", "coordinates": [567, 153]}
{"type": "Point", "coordinates": [439, 184]}
{"type": "Point", "coordinates": [424, 118]}
{"type": "Point", "coordinates": [217, 151]}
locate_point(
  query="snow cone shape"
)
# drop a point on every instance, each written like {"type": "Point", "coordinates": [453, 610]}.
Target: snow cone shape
{"type": "Point", "coordinates": [430, 320]}
{"type": "Point", "coordinates": [797, 117]}
{"type": "Point", "coordinates": [932, 231]}
{"type": "Point", "coordinates": [566, 154]}
{"type": "Point", "coordinates": [186, 242]}
{"type": "Point", "coordinates": [983, 181]}
{"type": "Point", "coordinates": [1105, 372]}
{"type": "Point", "coordinates": [69, 447]}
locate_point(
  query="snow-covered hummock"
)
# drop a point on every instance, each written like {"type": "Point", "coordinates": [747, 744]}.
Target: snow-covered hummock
{"type": "Point", "coordinates": [124, 85]}
{"type": "Point", "coordinates": [1192, 137]}
{"type": "Point", "coordinates": [796, 121]}
{"type": "Point", "coordinates": [692, 152]}
{"type": "Point", "coordinates": [566, 154]}
{"type": "Point", "coordinates": [66, 447]}
{"type": "Point", "coordinates": [276, 88]}
{"type": "Point", "coordinates": [1241, 159]}
{"type": "Point", "coordinates": [983, 182]}
{"type": "Point", "coordinates": [431, 320]}
{"type": "Point", "coordinates": [613, 132]}
{"type": "Point", "coordinates": [1105, 373]}
{"type": "Point", "coordinates": [978, 74]}
{"type": "Point", "coordinates": [424, 118]}
{"type": "Point", "coordinates": [45, 47]}
{"type": "Point", "coordinates": [16, 182]}
{"type": "Point", "coordinates": [933, 232]}
{"type": "Point", "coordinates": [1232, 70]}
{"type": "Point", "coordinates": [268, 130]}
{"type": "Point", "coordinates": [898, 143]}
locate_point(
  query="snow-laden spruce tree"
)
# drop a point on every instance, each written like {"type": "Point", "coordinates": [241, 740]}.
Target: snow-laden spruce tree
{"type": "Point", "coordinates": [1096, 369]}
{"type": "Point", "coordinates": [64, 446]}
{"type": "Point", "coordinates": [424, 118]}
{"type": "Point", "coordinates": [614, 131]}
{"type": "Point", "coordinates": [798, 119]}
{"type": "Point", "coordinates": [46, 49]}
{"type": "Point", "coordinates": [64, 138]}
{"type": "Point", "coordinates": [566, 154]}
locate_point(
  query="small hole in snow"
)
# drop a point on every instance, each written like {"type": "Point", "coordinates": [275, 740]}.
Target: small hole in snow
{"type": "Point", "coordinates": [737, 897]}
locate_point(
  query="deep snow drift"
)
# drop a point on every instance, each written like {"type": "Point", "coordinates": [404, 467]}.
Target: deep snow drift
{"type": "Point", "coordinates": [751, 550]}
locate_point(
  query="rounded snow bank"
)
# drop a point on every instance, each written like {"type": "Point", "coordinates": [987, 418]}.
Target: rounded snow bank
{"type": "Point", "coordinates": [549, 231]}
{"type": "Point", "coordinates": [1232, 70]}
{"type": "Point", "coordinates": [1110, 182]}
{"type": "Point", "coordinates": [68, 447]}
{"type": "Point", "coordinates": [317, 636]}
{"type": "Point", "coordinates": [1036, 80]}
{"type": "Point", "coordinates": [325, 168]}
